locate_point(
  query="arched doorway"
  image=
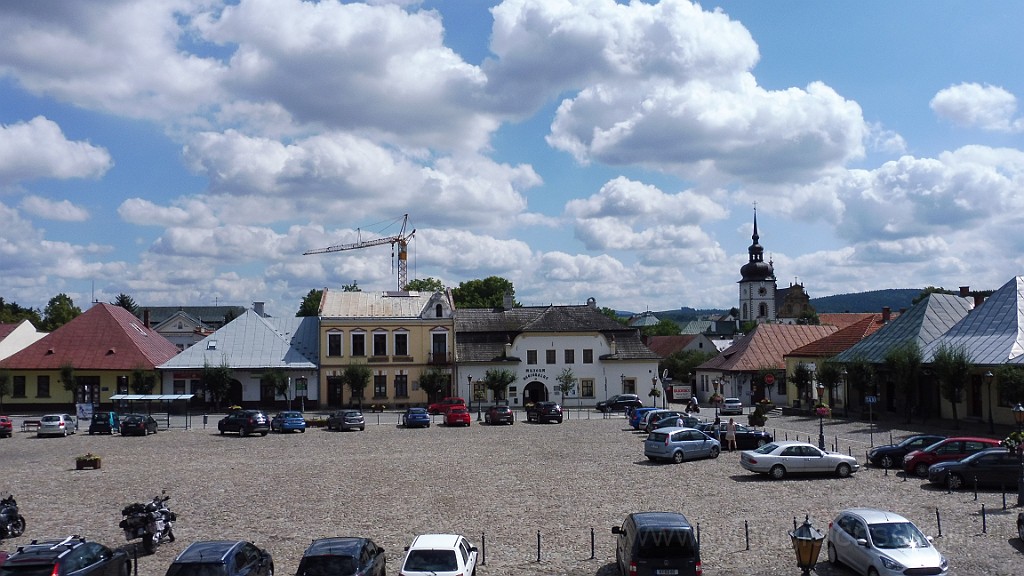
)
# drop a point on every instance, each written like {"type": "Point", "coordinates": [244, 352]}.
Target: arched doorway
{"type": "Point", "coordinates": [535, 392]}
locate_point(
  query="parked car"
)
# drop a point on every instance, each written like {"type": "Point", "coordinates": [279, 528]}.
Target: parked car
{"type": "Point", "coordinates": [678, 444]}
{"type": "Point", "coordinates": [688, 421]}
{"type": "Point", "coordinates": [345, 420]}
{"type": "Point", "coordinates": [138, 425]}
{"type": "Point", "coordinates": [993, 467]}
{"type": "Point", "coordinates": [6, 427]}
{"type": "Point", "coordinates": [343, 557]}
{"type": "Point", "coordinates": [746, 438]}
{"type": "Point", "coordinates": [731, 407]}
{"type": "Point", "coordinates": [290, 421]}
{"type": "Point", "coordinates": [619, 402]}
{"type": "Point", "coordinates": [104, 422]}
{"type": "Point", "coordinates": [457, 416]}
{"type": "Point", "coordinates": [1020, 526]}
{"type": "Point", "coordinates": [245, 422]}
{"type": "Point", "coordinates": [658, 415]}
{"type": "Point", "coordinates": [57, 425]}
{"type": "Point", "coordinates": [956, 448]}
{"type": "Point", "coordinates": [73, 554]}
{"type": "Point", "coordinates": [637, 414]}
{"type": "Point", "coordinates": [500, 415]}
{"type": "Point", "coordinates": [222, 558]}
{"type": "Point", "coordinates": [891, 455]}
{"type": "Point", "coordinates": [444, 404]}
{"type": "Point", "coordinates": [656, 543]}
{"type": "Point", "coordinates": [439, 555]}
{"type": "Point", "coordinates": [779, 459]}
{"type": "Point", "coordinates": [880, 542]}
{"type": "Point", "coordinates": [542, 412]}
{"type": "Point", "coordinates": [416, 418]}
{"type": "Point", "coordinates": [655, 415]}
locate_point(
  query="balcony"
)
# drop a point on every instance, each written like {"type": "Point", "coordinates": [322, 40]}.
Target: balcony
{"type": "Point", "coordinates": [439, 358]}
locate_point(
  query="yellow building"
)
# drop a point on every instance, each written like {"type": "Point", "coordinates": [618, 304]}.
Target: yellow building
{"type": "Point", "coordinates": [398, 335]}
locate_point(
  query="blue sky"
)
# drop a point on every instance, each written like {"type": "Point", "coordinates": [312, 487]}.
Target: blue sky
{"type": "Point", "coordinates": [187, 152]}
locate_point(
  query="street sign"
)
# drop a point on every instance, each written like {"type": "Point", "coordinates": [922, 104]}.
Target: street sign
{"type": "Point", "coordinates": [769, 379]}
{"type": "Point", "coordinates": [681, 393]}
{"type": "Point", "coordinates": [871, 399]}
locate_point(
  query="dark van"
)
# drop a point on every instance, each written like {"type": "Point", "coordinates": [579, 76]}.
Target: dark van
{"type": "Point", "coordinates": [104, 423]}
{"type": "Point", "coordinates": [657, 544]}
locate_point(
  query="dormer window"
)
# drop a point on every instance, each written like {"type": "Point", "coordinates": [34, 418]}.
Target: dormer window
{"type": "Point", "coordinates": [439, 311]}
{"type": "Point", "coordinates": [211, 345]}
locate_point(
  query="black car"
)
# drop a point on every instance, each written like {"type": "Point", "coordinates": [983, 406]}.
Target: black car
{"type": "Point", "coordinates": [138, 425]}
{"type": "Point", "coordinates": [891, 455]}
{"type": "Point", "coordinates": [222, 558]}
{"type": "Point", "coordinates": [104, 422]}
{"type": "Point", "coordinates": [619, 402]}
{"type": "Point", "coordinates": [994, 468]}
{"type": "Point", "coordinates": [245, 422]}
{"type": "Point", "coordinates": [746, 438]}
{"type": "Point", "coordinates": [343, 557]}
{"type": "Point", "coordinates": [70, 555]}
{"type": "Point", "coordinates": [542, 412]}
{"type": "Point", "coordinates": [652, 543]}
{"type": "Point", "coordinates": [500, 415]}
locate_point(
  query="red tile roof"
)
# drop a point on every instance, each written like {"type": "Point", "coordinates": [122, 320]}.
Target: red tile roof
{"type": "Point", "coordinates": [765, 347]}
{"type": "Point", "coordinates": [6, 328]}
{"type": "Point", "coordinates": [839, 341]}
{"type": "Point", "coordinates": [105, 337]}
{"type": "Point", "coordinates": [665, 345]}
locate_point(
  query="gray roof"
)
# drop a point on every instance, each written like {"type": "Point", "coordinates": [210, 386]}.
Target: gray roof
{"type": "Point", "coordinates": [923, 323]}
{"type": "Point", "coordinates": [252, 341]}
{"type": "Point", "coordinates": [992, 333]}
{"type": "Point", "coordinates": [411, 304]}
{"type": "Point", "coordinates": [208, 315]}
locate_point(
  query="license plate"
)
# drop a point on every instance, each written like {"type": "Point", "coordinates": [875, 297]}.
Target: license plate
{"type": "Point", "coordinates": [666, 572]}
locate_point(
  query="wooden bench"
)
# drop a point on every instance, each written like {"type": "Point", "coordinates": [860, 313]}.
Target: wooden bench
{"type": "Point", "coordinates": [29, 425]}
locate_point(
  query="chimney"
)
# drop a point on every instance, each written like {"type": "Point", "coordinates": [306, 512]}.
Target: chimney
{"type": "Point", "coordinates": [592, 303]}
{"type": "Point", "coordinates": [145, 318]}
{"type": "Point", "coordinates": [507, 302]}
{"type": "Point", "coordinates": [886, 314]}
{"type": "Point", "coordinates": [978, 300]}
{"type": "Point", "coordinates": [258, 308]}
{"type": "Point", "coordinates": [965, 291]}
{"type": "Point", "coordinates": [614, 347]}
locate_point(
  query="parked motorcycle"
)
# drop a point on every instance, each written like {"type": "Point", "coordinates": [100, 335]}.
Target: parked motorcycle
{"type": "Point", "coordinates": [151, 521]}
{"type": "Point", "coordinates": [12, 524]}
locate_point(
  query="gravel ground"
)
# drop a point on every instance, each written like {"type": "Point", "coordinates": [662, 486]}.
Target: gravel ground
{"type": "Point", "coordinates": [504, 484]}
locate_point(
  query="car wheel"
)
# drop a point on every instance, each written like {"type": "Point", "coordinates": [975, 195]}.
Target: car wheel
{"type": "Point", "coordinates": [303, 431]}
{"type": "Point", "coordinates": [677, 457]}
{"type": "Point", "coordinates": [872, 572]}
{"type": "Point", "coordinates": [715, 451]}
{"type": "Point", "coordinates": [778, 472]}
{"type": "Point", "coordinates": [843, 470]}
{"type": "Point", "coordinates": [221, 432]}
{"type": "Point", "coordinates": [954, 481]}
{"type": "Point", "coordinates": [243, 431]}
{"type": "Point", "coordinates": [887, 461]}
{"type": "Point", "coordinates": [263, 433]}
{"type": "Point", "coordinates": [921, 470]}
{"type": "Point", "coordinates": [1020, 531]}
{"type": "Point", "coordinates": [761, 442]}
{"type": "Point", "coordinates": [833, 558]}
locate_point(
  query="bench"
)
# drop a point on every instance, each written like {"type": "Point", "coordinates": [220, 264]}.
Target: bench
{"type": "Point", "coordinates": [29, 425]}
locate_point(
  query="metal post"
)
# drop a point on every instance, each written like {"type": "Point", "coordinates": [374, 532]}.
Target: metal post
{"type": "Point", "coordinates": [483, 549]}
{"type": "Point", "coordinates": [821, 431]}
{"type": "Point", "coordinates": [538, 545]}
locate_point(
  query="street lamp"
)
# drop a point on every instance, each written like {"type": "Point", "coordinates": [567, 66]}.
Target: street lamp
{"type": "Point", "coordinates": [807, 545]}
{"type": "Point", "coordinates": [716, 384]}
{"type": "Point", "coordinates": [1018, 415]}
{"type": "Point", "coordinates": [846, 393]}
{"type": "Point", "coordinates": [821, 417]}
{"type": "Point", "coordinates": [991, 423]}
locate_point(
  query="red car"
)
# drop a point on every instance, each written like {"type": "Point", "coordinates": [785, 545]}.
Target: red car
{"type": "Point", "coordinates": [445, 403]}
{"type": "Point", "coordinates": [956, 448]}
{"type": "Point", "coordinates": [457, 416]}
{"type": "Point", "coordinates": [6, 427]}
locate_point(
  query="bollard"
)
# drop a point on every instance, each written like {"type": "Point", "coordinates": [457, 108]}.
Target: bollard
{"type": "Point", "coordinates": [483, 549]}
{"type": "Point", "coordinates": [794, 523]}
{"type": "Point", "coordinates": [938, 521]}
{"type": "Point", "coordinates": [835, 443]}
{"type": "Point", "coordinates": [746, 533]}
{"type": "Point", "coordinates": [890, 438]}
{"type": "Point", "coordinates": [887, 471]}
{"type": "Point", "coordinates": [538, 545]}
{"type": "Point", "coordinates": [135, 561]}
{"type": "Point", "coordinates": [1003, 490]}
{"type": "Point", "coordinates": [698, 534]}
{"type": "Point", "coordinates": [378, 418]}
{"type": "Point", "coordinates": [976, 488]}
{"type": "Point", "coordinates": [206, 418]}
{"type": "Point", "coordinates": [984, 524]}
{"type": "Point", "coordinates": [592, 549]}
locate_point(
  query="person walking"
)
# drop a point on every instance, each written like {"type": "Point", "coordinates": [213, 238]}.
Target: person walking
{"type": "Point", "coordinates": [730, 434]}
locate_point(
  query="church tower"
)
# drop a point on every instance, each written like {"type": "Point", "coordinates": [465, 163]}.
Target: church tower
{"type": "Point", "coordinates": [757, 284]}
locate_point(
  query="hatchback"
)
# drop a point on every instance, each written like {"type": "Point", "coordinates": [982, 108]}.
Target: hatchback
{"type": "Point", "coordinates": [343, 557]}
{"type": "Point", "coordinates": [416, 418]}
{"type": "Point", "coordinates": [222, 558]}
{"type": "Point", "coordinates": [138, 425]}
{"type": "Point", "coordinates": [439, 555]}
{"type": "Point", "coordinates": [72, 555]}
{"type": "Point", "coordinates": [542, 412]}
{"type": "Point", "coordinates": [290, 421]}
{"type": "Point", "coordinates": [880, 542]}
{"type": "Point", "coordinates": [657, 544]}
{"type": "Point", "coordinates": [678, 444]}
{"type": "Point", "coordinates": [457, 416]}
{"type": "Point", "coordinates": [731, 406]}
{"type": "Point", "coordinates": [500, 415]}
{"type": "Point", "coordinates": [956, 448]}
{"type": "Point", "coordinates": [346, 420]}
{"type": "Point", "coordinates": [57, 425]}
{"type": "Point", "coordinates": [245, 422]}
{"type": "Point", "coordinates": [104, 422]}
{"type": "Point", "coordinates": [891, 455]}
{"type": "Point", "coordinates": [994, 467]}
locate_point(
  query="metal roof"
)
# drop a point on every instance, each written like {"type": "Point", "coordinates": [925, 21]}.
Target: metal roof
{"type": "Point", "coordinates": [152, 396]}
{"type": "Point", "coordinates": [992, 334]}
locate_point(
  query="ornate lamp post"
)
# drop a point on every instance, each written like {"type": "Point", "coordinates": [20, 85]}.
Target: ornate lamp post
{"type": "Point", "coordinates": [821, 410]}
{"type": "Point", "coordinates": [846, 393]}
{"type": "Point", "coordinates": [716, 384]}
{"type": "Point", "coordinates": [1018, 416]}
{"type": "Point", "coordinates": [991, 423]}
{"type": "Point", "coordinates": [807, 545]}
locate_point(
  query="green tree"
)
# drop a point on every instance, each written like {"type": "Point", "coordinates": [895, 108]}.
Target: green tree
{"type": "Point", "coordinates": [664, 327]}
{"type": "Point", "coordinates": [904, 362]}
{"type": "Point", "coordinates": [829, 375]}
{"type": "Point", "coordinates": [230, 315]}
{"type": "Point", "coordinates": [860, 375]}
{"type": "Point", "coordinates": [611, 313]}
{"type": "Point", "coordinates": [216, 380]}
{"type": "Point", "coordinates": [59, 311]}
{"type": "Point", "coordinates": [353, 287]}
{"type": "Point", "coordinates": [143, 381]}
{"type": "Point", "coordinates": [11, 313]}
{"type": "Point", "coordinates": [432, 381]}
{"type": "Point", "coordinates": [486, 293]}
{"type": "Point", "coordinates": [68, 381]}
{"type": "Point", "coordinates": [310, 305]}
{"type": "Point", "coordinates": [277, 378]}
{"type": "Point", "coordinates": [802, 381]}
{"type": "Point", "coordinates": [952, 365]}
{"type": "Point", "coordinates": [425, 285]}
{"type": "Point", "coordinates": [566, 382]}
{"type": "Point", "coordinates": [357, 378]}
{"type": "Point", "coordinates": [5, 386]}
{"type": "Point", "coordinates": [683, 364]}
{"type": "Point", "coordinates": [1011, 382]}
{"type": "Point", "coordinates": [498, 380]}
{"type": "Point", "coordinates": [125, 301]}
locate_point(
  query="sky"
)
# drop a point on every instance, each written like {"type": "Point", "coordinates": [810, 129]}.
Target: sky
{"type": "Point", "coordinates": [188, 152]}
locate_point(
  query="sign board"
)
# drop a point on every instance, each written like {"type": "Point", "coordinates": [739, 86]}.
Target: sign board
{"type": "Point", "coordinates": [769, 379]}
{"type": "Point", "coordinates": [83, 411]}
{"type": "Point", "coordinates": [681, 392]}
{"type": "Point", "coordinates": [871, 399]}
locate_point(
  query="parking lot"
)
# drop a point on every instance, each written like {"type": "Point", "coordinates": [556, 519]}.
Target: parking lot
{"type": "Point", "coordinates": [508, 486]}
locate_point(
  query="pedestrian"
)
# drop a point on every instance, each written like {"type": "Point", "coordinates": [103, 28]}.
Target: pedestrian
{"type": "Point", "coordinates": [730, 434]}
{"type": "Point", "coordinates": [718, 428]}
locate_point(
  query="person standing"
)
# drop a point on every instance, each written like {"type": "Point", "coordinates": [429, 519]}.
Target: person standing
{"type": "Point", "coordinates": [730, 434]}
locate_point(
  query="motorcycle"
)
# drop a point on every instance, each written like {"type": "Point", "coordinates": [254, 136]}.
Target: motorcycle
{"type": "Point", "coordinates": [12, 524]}
{"type": "Point", "coordinates": [151, 521]}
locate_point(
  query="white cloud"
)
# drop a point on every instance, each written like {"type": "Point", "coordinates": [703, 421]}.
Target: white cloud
{"type": "Point", "coordinates": [62, 210]}
{"type": "Point", "coordinates": [39, 149]}
{"type": "Point", "coordinates": [976, 106]}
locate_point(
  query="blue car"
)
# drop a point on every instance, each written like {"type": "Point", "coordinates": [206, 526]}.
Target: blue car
{"type": "Point", "coordinates": [416, 418]}
{"type": "Point", "coordinates": [291, 421]}
{"type": "Point", "coordinates": [636, 415]}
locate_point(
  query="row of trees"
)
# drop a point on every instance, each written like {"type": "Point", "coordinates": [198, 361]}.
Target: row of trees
{"type": "Point", "coordinates": [487, 293]}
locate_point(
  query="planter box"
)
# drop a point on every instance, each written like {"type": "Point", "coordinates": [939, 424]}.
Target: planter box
{"type": "Point", "coordinates": [93, 463]}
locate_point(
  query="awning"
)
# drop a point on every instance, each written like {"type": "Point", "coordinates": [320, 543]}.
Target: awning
{"type": "Point", "coordinates": [167, 397]}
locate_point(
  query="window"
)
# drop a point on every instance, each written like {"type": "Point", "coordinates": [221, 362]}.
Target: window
{"type": "Point", "coordinates": [43, 386]}
{"type": "Point", "coordinates": [549, 357]}
{"type": "Point", "coordinates": [439, 311]}
{"type": "Point", "coordinates": [439, 344]}
{"type": "Point", "coordinates": [762, 310]}
{"type": "Point", "coordinates": [401, 386]}
{"type": "Point", "coordinates": [629, 386]}
{"type": "Point", "coordinates": [18, 387]}
{"type": "Point", "coordinates": [570, 356]}
{"type": "Point", "coordinates": [401, 344]}
{"type": "Point", "coordinates": [588, 356]}
{"type": "Point", "coordinates": [359, 344]}
{"type": "Point", "coordinates": [479, 390]}
{"type": "Point", "coordinates": [380, 386]}
{"type": "Point", "coordinates": [531, 356]}
{"type": "Point", "coordinates": [380, 344]}
{"type": "Point", "coordinates": [179, 386]}
{"type": "Point", "coordinates": [334, 344]}
{"type": "Point", "coordinates": [587, 387]}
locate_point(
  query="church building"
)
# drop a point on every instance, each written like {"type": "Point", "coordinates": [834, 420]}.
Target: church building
{"type": "Point", "coordinates": [757, 285]}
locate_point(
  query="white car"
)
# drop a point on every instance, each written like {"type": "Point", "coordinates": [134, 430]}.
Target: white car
{"type": "Point", "coordinates": [779, 459]}
{"type": "Point", "coordinates": [439, 555]}
{"type": "Point", "coordinates": [57, 425]}
{"type": "Point", "coordinates": [880, 542]}
{"type": "Point", "coordinates": [731, 406]}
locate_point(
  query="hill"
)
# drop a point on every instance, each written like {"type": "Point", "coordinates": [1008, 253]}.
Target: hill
{"type": "Point", "coordinates": [895, 298]}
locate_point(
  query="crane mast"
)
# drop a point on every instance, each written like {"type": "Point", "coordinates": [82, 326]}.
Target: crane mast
{"type": "Point", "coordinates": [401, 239]}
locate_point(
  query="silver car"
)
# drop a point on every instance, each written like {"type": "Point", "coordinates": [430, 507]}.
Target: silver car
{"type": "Point", "coordinates": [678, 444]}
{"type": "Point", "coordinates": [57, 425]}
{"type": "Point", "coordinates": [345, 420]}
{"type": "Point", "coordinates": [777, 459]}
{"type": "Point", "coordinates": [880, 542]}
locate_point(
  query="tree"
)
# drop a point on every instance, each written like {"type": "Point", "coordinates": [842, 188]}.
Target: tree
{"type": "Point", "coordinates": [68, 381]}
{"type": "Point", "coordinates": [682, 364]}
{"type": "Point", "coordinates": [904, 362]}
{"type": "Point", "coordinates": [353, 287]}
{"type": "Point", "coordinates": [611, 313]}
{"type": "Point", "coordinates": [566, 382]}
{"type": "Point", "coordinates": [59, 311]}
{"type": "Point", "coordinates": [802, 381]}
{"type": "Point", "coordinates": [860, 375]}
{"type": "Point", "coordinates": [11, 313]}
{"type": "Point", "coordinates": [230, 315]}
{"type": "Point", "coordinates": [277, 378]}
{"type": "Point", "coordinates": [432, 381]}
{"type": "Point", "coordinates": [486, 293]}
{"type": "Point", "coordinates": [143, 381]}
{"type": "Point", "coordinates": [310, 305]}
{"type": "Point", "coordinates": [425, 285]}
{"type": "Point", "coordinates": [125, 301]}
{"type": "Point", "coordinates": [357, 378]}
{"type": "Point", "coordinates": [952, 365]}
{"type": "Point", "coordinates": [829, 375]}
{"type": "Point", "coordinates": [216, 380]}
{"type": "Point", "coordinates": [498, 380]}
{"type": "Point", "coordinates": [1011, 382]}
{"type": "Point", "coordinates": [5, 385]}
{"type": "Point", "coordinates": [664, 327]}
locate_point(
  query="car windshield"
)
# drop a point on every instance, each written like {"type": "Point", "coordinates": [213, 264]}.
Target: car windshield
{"type": "Point", "coordinates": [328, 566]}
{"type": "Point", "coordinates": [897, 535]}
{"type": "Point", "coordinates": [767, 448]}
{"type": "Point", "coordinates": [100, 418]}
{"type": "Point", "coordinates": [417, 411]}
{"type": "Point", "coordinates": [431, 561]}
{"type": "Point", "coordinates": [291, 414]}
{"type": "Point", "coordinates": [51, 419]}
{"type": "Point", "coordinates": [665, 543]}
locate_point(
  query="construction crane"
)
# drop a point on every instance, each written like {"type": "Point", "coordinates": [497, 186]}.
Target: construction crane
{"type": "Point", "coordinates": [402, 239]}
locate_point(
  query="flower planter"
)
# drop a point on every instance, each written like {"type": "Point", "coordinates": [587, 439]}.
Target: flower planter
{"type": "Point", "coordinates": [87, 463]}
